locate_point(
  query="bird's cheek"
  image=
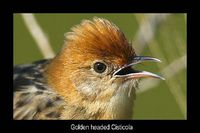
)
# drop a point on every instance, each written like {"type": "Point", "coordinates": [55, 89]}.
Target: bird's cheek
{"type": "Point", "coordinates": [85, 84]}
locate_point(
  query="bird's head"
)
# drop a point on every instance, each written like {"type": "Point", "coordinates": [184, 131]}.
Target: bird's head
{"type": "Point", "coordinates": [97, 61]}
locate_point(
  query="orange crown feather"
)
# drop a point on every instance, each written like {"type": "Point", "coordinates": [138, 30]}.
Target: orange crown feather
{"type": "Point", "coordinates": [99, 38]}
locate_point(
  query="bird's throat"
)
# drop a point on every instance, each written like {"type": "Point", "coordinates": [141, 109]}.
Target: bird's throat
{"type": "Point", "coordinates": [119, 106]}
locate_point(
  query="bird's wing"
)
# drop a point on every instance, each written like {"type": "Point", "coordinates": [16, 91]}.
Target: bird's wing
{"type": "Point", "coordinates": [34, 104]}
{"type": "Point", "coordinates": [29, 74]}
{"type": "Point", "coordinates": [33, 98]}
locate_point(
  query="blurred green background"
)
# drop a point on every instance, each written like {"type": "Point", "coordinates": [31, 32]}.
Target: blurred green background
{"type": "Point", "coordinates": [168, 99]}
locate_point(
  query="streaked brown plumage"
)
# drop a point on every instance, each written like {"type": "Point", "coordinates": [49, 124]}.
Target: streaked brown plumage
{"type": "Point", "coordinates": [90, 78]}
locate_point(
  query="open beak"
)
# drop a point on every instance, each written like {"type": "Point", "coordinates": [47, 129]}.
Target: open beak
{"type": "Point", "coordinates": [129, 73]}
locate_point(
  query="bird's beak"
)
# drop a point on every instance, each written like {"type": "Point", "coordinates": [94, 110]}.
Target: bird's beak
{"type": "Point", "coordinates": [129, 73]}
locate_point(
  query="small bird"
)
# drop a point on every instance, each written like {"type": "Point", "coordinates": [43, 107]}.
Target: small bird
{"type": "Point", "coordinates": [92, 77]}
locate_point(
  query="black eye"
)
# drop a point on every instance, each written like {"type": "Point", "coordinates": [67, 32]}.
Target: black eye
{"type": "Point", "coordinates": [99, 67]}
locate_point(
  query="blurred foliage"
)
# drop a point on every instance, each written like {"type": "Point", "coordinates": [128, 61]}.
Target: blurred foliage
{"type": "Point", "coordinates": [168, 44]}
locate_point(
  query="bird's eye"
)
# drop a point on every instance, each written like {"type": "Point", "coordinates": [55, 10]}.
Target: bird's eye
{"type": "Point", "coordinates": [99, 67]}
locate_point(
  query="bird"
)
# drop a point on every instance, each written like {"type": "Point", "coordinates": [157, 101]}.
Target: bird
{"type": "Point", "coordinates": [92, 77]}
